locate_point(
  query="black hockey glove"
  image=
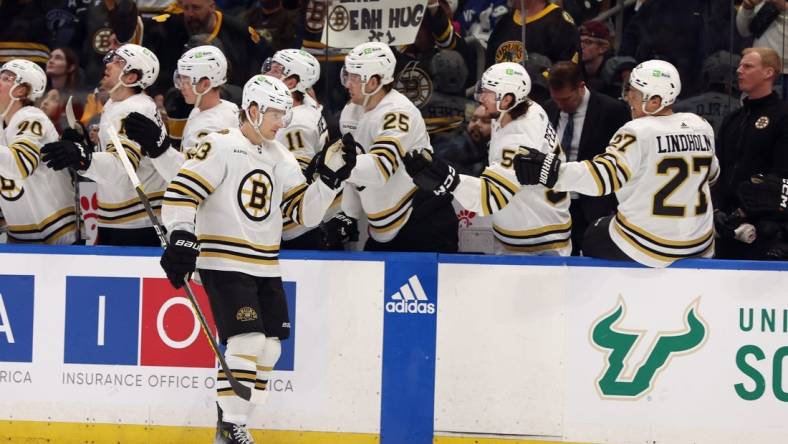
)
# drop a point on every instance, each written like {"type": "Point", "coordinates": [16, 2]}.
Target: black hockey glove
{"type": "Point", "coordinates": [430, 173]}
{"type": "Point", "coordinates": [66, 154]}
{"type": "Point", "coordinates": [338, 230]}
{"type": "Point", "coordinates": [180, 258]}
{"type": "Point", "coordinates": [76, 135]}
{"type": "Point", "coordinates": [764, 195]}
{"type": "Point", "coordinates": [726, 224]}
{"type": "Point", "coordinates": [331, 172]}
{"type": "Point", "coordinates": [533, 167]}
{"type": "Point", "coordinates": [152, 139]}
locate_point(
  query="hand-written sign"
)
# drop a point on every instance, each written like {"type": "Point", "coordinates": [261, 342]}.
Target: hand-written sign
{"type": "Point", "coordinates": [352, 22]}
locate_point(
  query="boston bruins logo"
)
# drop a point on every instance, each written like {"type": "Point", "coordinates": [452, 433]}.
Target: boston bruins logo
{"type": "Point", "coordinates": [102, 40]}
{"type": "Point", "coordinates": [511, 51]}
{"type": "Point", "coordinates": [338, 19]}
{"type": "Point", "coordinates": [9, 189]}
{"type": "Point", "coordinates": [254, 195]}
{"type": "Point", "coordinates": [415, 84]}
{"type": "Point", "coordinates": [762, 122]}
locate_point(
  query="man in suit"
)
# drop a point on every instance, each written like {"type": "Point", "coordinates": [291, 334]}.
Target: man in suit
{"type": "Point", "coordinates": [585, 121]}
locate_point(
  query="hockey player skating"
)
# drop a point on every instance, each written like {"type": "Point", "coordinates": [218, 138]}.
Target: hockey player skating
{"type": "Point", "coordinates": [201, 73]}
{"type": "Point", "coordinates": [121, 216]}
{"type": "Point", "coordinates": [528, 219]}
{"type": "Point", "coordinates": [223, 212]}
{"type": "Point", "coordinates": [306, 134]}
{"type": "Point", "coordinates": [659, 165]}
{"type": "Point", "coordinates": [400, 217]}
{"type": "Point", "coordinates": [37, 202]}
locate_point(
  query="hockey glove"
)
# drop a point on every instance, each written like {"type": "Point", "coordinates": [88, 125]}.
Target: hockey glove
{"type": "Point", "coordinates": [180, 258]}
{"type": "Point", "coordinates": [762, 195]}
{"type": "Point", "coordinates": [338, 230]}
{"type": "Point", "coordinates": [153, 140]}
{"type": "Point", "coordinates": [76, 135]}
{"type": "Point", "coordinates": [430, 173]}
{"type": "Point", "coordinates": [66, 154]}
{"type": "Point", "coordinates": [337, 161]}
{"type": "Point", "coordinates": [734, 226]}
{"type": "Point", "coordinates": [534, 167]}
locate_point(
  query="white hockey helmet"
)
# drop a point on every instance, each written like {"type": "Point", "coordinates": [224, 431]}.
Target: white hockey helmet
{"type": "Point", "coordinates": [27, 72]}
{"type": "Point", "coordinates": [267, 92]}
{"type": "Point", "coordinates": [656, 78]}
{"type": "Point", "coordinates": [203, 62]}
{"type": "Point", "coordinates": [370, 59]}
{"type": "Point", "coordinates": [137, 58]}
{"type": "Point", "coordinates": [296, 62]}
{"type": "Point", "coordinates": [505, 78]}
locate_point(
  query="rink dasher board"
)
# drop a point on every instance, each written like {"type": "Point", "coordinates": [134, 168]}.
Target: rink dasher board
{"type": "Point", "coordinates": [512, 335]}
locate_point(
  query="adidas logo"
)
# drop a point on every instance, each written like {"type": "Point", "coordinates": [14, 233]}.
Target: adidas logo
{"type": "Point", "coordinates": [684, 125]}
{"type": "Point", "coordinates": [410, 299]}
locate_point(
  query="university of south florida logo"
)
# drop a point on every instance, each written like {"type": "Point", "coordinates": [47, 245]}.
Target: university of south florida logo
{"type": "Point", "coordinates": [618, 343]}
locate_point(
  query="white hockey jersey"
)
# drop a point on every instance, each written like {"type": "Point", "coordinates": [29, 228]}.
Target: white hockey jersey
{"type": "Point", "coordinates": [37, 202]}
{"type": "Point", "coordinates": [198, 125]}
{"type": "Point", "coordinates": [660, 169]}
{"type": "Point", "coordinates": [386, 133]}
{"type": "Point", "coordinates": [306, 134]}
{"type": "Point", "coordinates": [526, 219]}
{"type": "Point", "coordinates": [236, 195]}
{"type": "Point", "coordinates": [304, 137]}
{"type": "Point", "coordinates": [119, 206]}
{"type": "Point", "coordinates": [349, 117]}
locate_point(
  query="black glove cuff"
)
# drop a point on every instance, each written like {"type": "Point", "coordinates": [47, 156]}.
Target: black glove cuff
{"type": "Point", "coordinates": [155, 150]}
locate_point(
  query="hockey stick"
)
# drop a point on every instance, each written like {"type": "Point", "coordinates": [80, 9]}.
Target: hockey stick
{"type": "Point", "coordinates": [239, 389]}
{"type": "Point", "coordinates": [72, 123]}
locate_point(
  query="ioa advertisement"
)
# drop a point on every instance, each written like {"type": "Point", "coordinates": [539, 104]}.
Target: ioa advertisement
{"type": "Point", "coordinates": [412, 346]}
{"type": "Point", "coordinates": [106, 339]}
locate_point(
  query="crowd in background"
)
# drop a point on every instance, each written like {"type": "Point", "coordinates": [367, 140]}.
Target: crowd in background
{"type": "Point", "coordinates": [578, 54]}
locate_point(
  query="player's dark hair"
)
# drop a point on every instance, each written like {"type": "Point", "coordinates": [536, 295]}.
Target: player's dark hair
{"type": "Point", "coordinates": [520, 109]}
{"type": "Point", "coordinates": [564, 75]}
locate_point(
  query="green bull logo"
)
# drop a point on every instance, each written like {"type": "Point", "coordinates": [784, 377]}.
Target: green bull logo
{"type": "Point", "coordinates": [618, 344]}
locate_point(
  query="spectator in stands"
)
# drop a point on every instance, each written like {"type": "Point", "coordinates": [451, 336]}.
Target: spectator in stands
{"type": "Point", "coordinates": [63, 75]}
{"type": "Point", "coordinates": [615, 75]}
{"type": "Point", "coordinates": [24, 33]}
{"type": "Point", "coordinates": [416, 69]}
{"type": "Point", "coordinates": [446, 106]}
{"type": "Point", "coordinates": [550, 32]}
{"type": "Point", "coordinates": [478, 18]}
{"type": "Point", "coordinates": [538, 68]}
{"type": "Point", "coordinates": [585, 121]}
{"type": "Point", "coordinates": [93, 38]}
{"type": "Point", "coordinates": [467, 149]}
{"type": "Point", "coordinates": [583, 10]}
{"type": "Point", "coordinates": [717, 101]}
{"type": "Point", "coordinates": [595, 43]}
{"type": "Point", "coordinates": [766, 21]}
{"type": "Point", "coordinates": [752, 140]}
{"type": "Point", "coordinates": [63, 71]}
{"type": "Point", "coordinates": [93, 132]}
{"type": "Point", "coordinates": [276, 22]}
{"type": "Point", "coordinates": [50, 105]}
{"type": "Point", "coordinates": [670, 30]}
